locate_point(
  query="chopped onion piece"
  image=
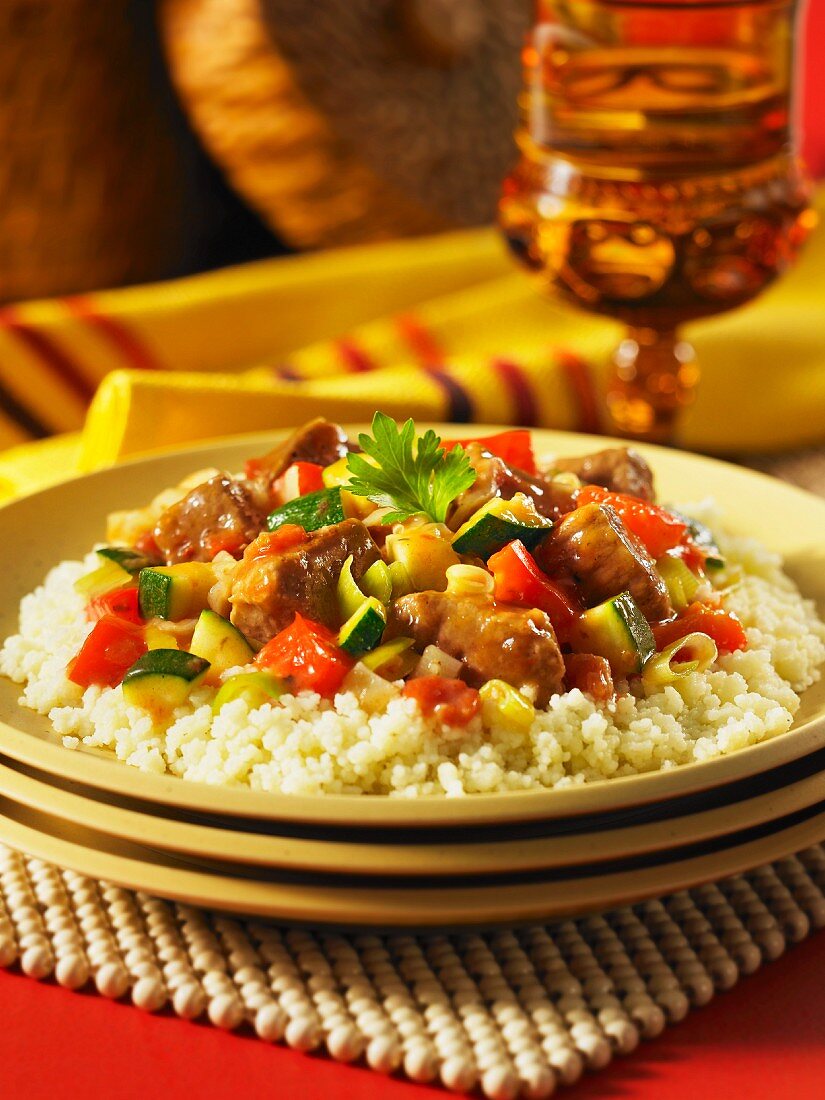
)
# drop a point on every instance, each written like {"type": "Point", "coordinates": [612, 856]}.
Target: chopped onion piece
{"type": "Point", "coordinates": [435, 662]}
{"type": "Point", "coordinates": [469, 580]}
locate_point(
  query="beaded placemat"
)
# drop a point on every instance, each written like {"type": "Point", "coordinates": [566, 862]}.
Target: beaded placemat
{"type": "Point", "coordinates": [514, 1013]}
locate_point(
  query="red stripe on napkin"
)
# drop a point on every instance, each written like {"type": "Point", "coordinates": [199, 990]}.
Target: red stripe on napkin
{"type": "Point", "coordinates": [521, 391]}
{"type": "Point", "coordinates": [48, 352]}
{"type": "Point", "coordinates": [579, 378]}
{"type": "Point", "coordinates": [122, 339]}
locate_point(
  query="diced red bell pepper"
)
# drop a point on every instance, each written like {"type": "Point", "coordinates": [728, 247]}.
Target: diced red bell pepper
{"type": "Point", "coordinates": [515, 447]}
{"type": "Point", "coordinates": [112, 647]}
{"type": "Point", "coordinates": [590, 674]}
{"type": "Point", "coordinates": [723, 626]}
{"type": "Point", "coordinates": [299, 479]}
{"type": "Point", "coordinates": [146, 544]}
{"type": "Point", "coordinates": [450, 701]}
{"type": "Point", "coordinates": [657, 529]}
{"type": "Point", "coordinates": [308, 654]}
{"type": "Point", "coordinates": [519, 580]}
{"type": "Point", "coordinates": [269, 543]}
{"type": "Point", "coordinates": [122, 603]}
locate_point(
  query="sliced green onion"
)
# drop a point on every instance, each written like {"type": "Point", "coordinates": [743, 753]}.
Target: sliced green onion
{"type": "Point", "coordinates": [387, 652]}
{"type": "Point", "coordinates": [106, 578]}
{"type": "Point", "coordinates": [469, 580]}
{"type": "Point", "coordinates": [663, 668]}
{"type": "Point", "coordinates": [350, 596]}
{"type": "Point", "coordinates": [400, 579]}
{"type": "Point", "coordinates": [502, 704]}
{"type": "Point", "coordinates": [682, 583]}
{"type": "Point", "coordinates": [377, 582]}
{"type": "Point", "coordinates": [256, 688]}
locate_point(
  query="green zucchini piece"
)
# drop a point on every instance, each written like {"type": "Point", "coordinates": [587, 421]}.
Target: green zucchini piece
{"type": "Point", "coordinates": [362, 631]}
{"type": "Point", "coordinates": [495, 524]}
{"type": "Point", "coordinates": [389, 653]}
{"type": "Point", "coordinates": [704, 538]}
{"type": "Point", "coordinates": [220, 643]}
{"type": "Point", "coordinates": [617, 630]}
{"type": "Point", "coordinates": [106, 578]}
{"type": "Point", "coordinates": [162, 679]}
{"type": "Point", "coordinates": [175, 591]}
{"type": "Point", "coordinates": [256, 687]}
{"type": "Point", "coordinates": [127, 559]}
{"type": "Point", "coordinates": [682, 583]}
{"type": "Point", "coordinates": [319, 509]}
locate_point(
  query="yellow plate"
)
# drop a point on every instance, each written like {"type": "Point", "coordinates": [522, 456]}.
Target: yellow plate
{"type": "Point", "coordinates": [62, 522]}
{"type": "Point", "coordinates": [351, 859]}
{"type": "Point", "coordinates": [354, 905]}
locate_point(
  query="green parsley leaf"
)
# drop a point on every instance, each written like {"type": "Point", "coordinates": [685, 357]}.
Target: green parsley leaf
{"type": "Point", "coordinates": [409, 478]}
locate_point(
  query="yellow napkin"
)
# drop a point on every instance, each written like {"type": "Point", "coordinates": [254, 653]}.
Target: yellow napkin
{"type": "Point", "coordinates": [438, 328]}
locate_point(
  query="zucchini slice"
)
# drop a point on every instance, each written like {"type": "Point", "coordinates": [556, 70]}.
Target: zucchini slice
{"type": "Point", "coordinates": [220, 643]}
{"type": "Point", "coordinates": [319, 509]}
{"type": "Point", "coordinates": [617, 630]}
{"type": "Point", "coordinates": [498, 522]}
{"type": "Point", "coordinates": [362, 631]}
{"type": "Point", "coordinates": [106, 578]}
{"type": "Point", "coordinates": [127, 559]}
{"type": "Point", "coordinates": [175, 591]}
{"type": "Point", "coordinates": [161, 679]}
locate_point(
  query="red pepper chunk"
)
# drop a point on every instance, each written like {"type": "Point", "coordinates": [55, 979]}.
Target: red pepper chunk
{"type": "Point", "coordinates": [450, 701]}
{"type": "Point", "coordinates": [657, 529]}
{"type": "Point", "coordinates": [299, 479]}
{"type": "Point", "coordinates": [308, 654]}
{"type": "Point", "coordinates": [112, 647]}
{"type": "Point", "coordinates": [269, 543]}
{"type": "Point", "coordinates": [723, 626]}
{"type": "Point", "coordinates": [514, 447]}
{"type": "Point", "coordinates": [122, 603]}
{"type": "Point", "coordinates": [519, 580]}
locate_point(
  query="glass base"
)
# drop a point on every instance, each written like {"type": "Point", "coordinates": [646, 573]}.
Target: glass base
{"type": "Point", "coordinates": [653, 378]}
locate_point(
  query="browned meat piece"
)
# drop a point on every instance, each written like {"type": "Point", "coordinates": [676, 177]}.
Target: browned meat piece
{"type": "Point", "coordinates": [319, 441]}
{"type": "Point", "coordinates": [496, 478]}
{"type": "Point", "coordinates": [219, 515]}
{"type": "Point", "coordinates": [591, 547]}
{"type": "Point", "coordinates": [492, 641]}
{"type": "Point", "coordinates": [268, 589]}
{"type": "Point", "coordinates": [620, 469]}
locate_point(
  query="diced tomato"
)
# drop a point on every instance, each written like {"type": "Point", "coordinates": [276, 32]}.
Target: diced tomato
{"type": "Point", "coordinates": [307, 653]}
{"type": "Point", "coordinates": [269, 543]}
{"type": "Point", "coordinates": [112, 647]}
{"type": "Point", "coordinates": [299, 479]}
{"type": "Point", "coordinates": [122, 603]}
{"type": "Point", "coordinates": [656, 528]}
{"type": "Point", "coordinates": [519, 580]}
{"type": "Point", "coordinates": [226, 541]}
{"type": "Point", "coordinates": [450, 701]}
{"type": "Point", "coordinates": [145, 544]}
{"type": "Point", "coordinates": [723, 626]}
{"type": "Point", "coordinates": [590, 674]}
{"type": "Point", "coordinates": [515, 447]}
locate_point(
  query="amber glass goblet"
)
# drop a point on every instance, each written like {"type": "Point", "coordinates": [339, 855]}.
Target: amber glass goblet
{"type": "Point", "coordinates": [657, 181]}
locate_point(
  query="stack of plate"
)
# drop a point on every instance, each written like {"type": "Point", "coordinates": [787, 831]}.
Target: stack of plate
{"type": "Point", "coordinates": [374, 861]}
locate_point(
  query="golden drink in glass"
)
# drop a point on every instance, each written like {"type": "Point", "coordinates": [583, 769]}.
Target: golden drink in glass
{"type": "Point", "coordinates": [657, 181]}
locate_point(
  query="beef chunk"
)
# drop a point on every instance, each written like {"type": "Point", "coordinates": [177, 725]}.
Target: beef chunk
{"type": "Point", "coordinates": [591, 547]}
{"type": "Point", "coordinates": [319, 441]}
{"type": "Point", "coordinates": [492, 641]}
{"type": "Point", "coordinates": [219, 515]}
{"type": "Point", "coordinates": [619, 469]}
{"type": "Point", "coordinates": [267, 589]}
{"type": "Point", "coordinates": [494, 478]}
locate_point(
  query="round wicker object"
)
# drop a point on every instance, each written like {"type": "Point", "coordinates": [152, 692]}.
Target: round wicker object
{"type": "Point", "coordinates": [343, 122]}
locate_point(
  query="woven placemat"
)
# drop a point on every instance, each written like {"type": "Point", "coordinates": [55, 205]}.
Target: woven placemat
{"type": "Point", "coordinates": [514, 1013]}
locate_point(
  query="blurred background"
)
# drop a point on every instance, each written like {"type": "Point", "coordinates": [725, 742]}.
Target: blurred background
{"type": "Point", "coordinates": [148, 139]}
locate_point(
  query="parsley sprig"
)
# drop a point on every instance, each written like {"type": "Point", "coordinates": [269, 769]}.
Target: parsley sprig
{"type": "Point", "coordinates": [409, 478]}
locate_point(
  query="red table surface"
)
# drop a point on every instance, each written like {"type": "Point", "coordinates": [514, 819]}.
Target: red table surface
{"type": "Point", "coordinates": [764, 1040]}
